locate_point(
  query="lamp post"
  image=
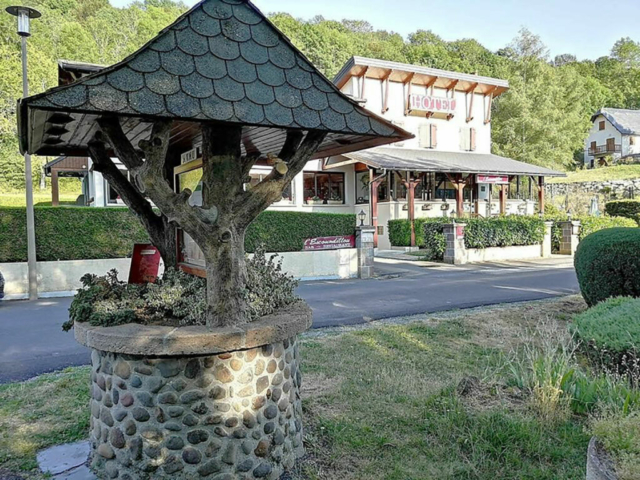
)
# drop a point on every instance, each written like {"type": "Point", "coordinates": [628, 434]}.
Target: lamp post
{"type": "Point", "coordinates": [25, 14]}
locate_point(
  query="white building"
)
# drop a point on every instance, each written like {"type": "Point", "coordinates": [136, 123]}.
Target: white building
{"type": "Point", "coordinates": [614, 137]}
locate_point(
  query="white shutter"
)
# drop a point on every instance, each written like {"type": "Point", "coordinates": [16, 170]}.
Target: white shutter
{"type": "Point", "coordinates": [465, 139]}
{"type": "Point", "coordinates": [401, 125]}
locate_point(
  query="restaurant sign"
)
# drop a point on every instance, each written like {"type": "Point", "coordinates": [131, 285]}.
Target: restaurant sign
{"type": "Point", "coordinates": [330, 243]}
{"type": "Point", "coordinates": [493, 179]}
{"type": "Point", "coordinates": [429, 103]}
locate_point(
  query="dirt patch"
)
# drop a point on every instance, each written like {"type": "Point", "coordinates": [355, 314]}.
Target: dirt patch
{"type": "Point", "coordinates": [481, 396]}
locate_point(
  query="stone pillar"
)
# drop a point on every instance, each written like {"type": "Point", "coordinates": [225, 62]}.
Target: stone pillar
{"type": "Point", "coordinates": [570, 237]}
{"type": "Point", "coordinates": [546, 242]}
{"type": "Point", "coordinates": [455, 253]}
{"type": "Point", "coordinates": [364, 244]}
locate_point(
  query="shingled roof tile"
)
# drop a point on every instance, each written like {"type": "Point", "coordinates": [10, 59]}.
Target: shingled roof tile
{"type": "Point", "coordinates": [205, 24]}
{"type": "Point", "coordinates": [105, 97]}
{"type": "Point", "coordinates": [146, 102]}
{"type": "Point", "coordinates": [195, 85]}
{"type": "Point", "coordinates": [146, 62]}
{"type": "Point", "coordinates": [177, 62]}
{"type": "Point", "coordinates": [228, 89]}
{"type": "Point", "coordinates": [271, 75]}
{"type": "Point", "coordinates": [282, 56]}
{"type": "Point", "coordinates": [211, 66]}
{"type": "Point", "coordinates": [162, 83]}
{"type": "Point", "coordinates": [259, 93]}
{"type": "Point", "coordinates": [164, 43]}
{"type": "Point", "coordinates": [254, 53]}
{"type": "Point", "coordinates": [224, 61]}
{"type": "Point", "coordinates": [235, 30]}
{"type": "Point", "coordinates": [278, 115]}
{"type": "Point", "coordinates": [264, 35]}
{"type": "Point", "coordinates": [216, 108]}
{"type": "Point", "coordinates": [287, 96]}
{"type": "Point", "coordinates": [182, 105]}
{"type": "Point", "coordinates": [126, 80]}
{"type": "Point", "coordinates": [242, 71]}
{"type": "Point", "coordinates": [191, 42]}
{"type": "Point", "coordinates": [224, 48]}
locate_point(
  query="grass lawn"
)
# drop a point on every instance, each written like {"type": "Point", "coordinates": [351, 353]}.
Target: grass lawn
{"type": "Point", "coordinates": [619, 172]}
{"type": "Point", "coordinates": [392, 400]}
{"type": "Point", "coordinates": [42, 199]}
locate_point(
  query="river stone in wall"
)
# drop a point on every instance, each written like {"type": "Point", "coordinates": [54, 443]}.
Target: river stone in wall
{"type": "Point", "coordinates": [236, 415]}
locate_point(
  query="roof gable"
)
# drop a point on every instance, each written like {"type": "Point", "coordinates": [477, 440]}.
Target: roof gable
{"type": "Point", "coordinates": [625, 121]}
{"type": "Point", "coordinates": [222, 61]}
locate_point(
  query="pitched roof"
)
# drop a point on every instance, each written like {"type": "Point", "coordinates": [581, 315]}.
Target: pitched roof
{"type": "Point", "coordinates": [221, 61]}
{"type": "Point", "coordinates": [626, 122]}
{"type": "Point", "coordinates": [423, 160]}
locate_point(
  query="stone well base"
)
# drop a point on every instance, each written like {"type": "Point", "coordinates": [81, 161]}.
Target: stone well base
{"type": "Point", "coordinates": [235, 415]}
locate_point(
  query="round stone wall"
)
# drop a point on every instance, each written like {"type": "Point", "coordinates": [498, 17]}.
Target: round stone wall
{"type": "Point", "coordinates": [235, 415]}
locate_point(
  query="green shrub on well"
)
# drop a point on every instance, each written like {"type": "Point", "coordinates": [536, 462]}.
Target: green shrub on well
{"type": "Point", "coordinates": [610, 333]}
{"type": "Point", "coordinates": [67, 233]}
{"type": "Point", "coordinates": [623, 208]}
{"type": "Point", "coordinates": [608, 264]}
{"type": "Point", "coordinates": [514, 230]}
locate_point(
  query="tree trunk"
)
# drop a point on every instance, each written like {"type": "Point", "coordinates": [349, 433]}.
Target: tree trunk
{"type": "Point", "coordinates": [226, 277]}
{"type": "Point", "coordinates": [164, 238]}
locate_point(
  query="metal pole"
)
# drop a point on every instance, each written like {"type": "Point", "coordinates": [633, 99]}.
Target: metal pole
{"type": "Point", "coordinates": [31, 228]}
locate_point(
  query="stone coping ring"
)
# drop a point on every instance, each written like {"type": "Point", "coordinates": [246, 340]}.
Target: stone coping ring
{"type": "Point", "coordinates": [161, 341]}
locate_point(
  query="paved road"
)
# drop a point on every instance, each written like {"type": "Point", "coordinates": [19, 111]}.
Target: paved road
{"type": "Point", "coordinates": [32, 342]}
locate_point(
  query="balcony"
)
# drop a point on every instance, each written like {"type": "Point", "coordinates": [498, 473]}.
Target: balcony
{"type": "Point", "coordinates": [605, 149]}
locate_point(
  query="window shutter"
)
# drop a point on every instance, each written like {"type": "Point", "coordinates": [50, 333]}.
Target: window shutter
{"type": "Point", "coordinates": [401, 125]}
{"type": "Point", "coordinates": [424, 134]}
{"type": "Point", "coordinates": [593, 147]}
{"type": "Point", "coordinates": [472, 140]}
{"type": "Point", "coordinates": [434, 136]}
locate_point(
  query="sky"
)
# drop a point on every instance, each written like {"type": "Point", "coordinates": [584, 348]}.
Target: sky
{"type": "Point", "coordinates": [585, 28]}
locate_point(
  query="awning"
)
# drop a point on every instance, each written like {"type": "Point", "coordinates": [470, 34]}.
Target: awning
{"type": "Point", "coordinates": [422, 160]}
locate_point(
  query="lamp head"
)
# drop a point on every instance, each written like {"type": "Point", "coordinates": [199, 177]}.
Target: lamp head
{"type": "Point", "coordinates": [362, 215]}
{"type": "Point", "coordinates": [24, 14]}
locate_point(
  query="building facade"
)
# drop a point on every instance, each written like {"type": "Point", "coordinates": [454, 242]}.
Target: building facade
{"type": "Point", "coordinates": [614, 137]}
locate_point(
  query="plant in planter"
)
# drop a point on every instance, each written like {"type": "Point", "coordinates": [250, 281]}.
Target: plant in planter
{"type": "Point", "coordinates": [335, 199]}
{"type": "Point", "coordinates": [315, 200]}
{"type": "Point", "coordinates": [220, 396]}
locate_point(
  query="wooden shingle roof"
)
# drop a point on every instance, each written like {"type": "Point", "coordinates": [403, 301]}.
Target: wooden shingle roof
{"type": "Point", "coordinates": [222, 61]}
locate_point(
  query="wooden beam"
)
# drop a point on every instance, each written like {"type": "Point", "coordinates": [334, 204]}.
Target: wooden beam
{"type": "Point", "coordinates": [470, 90]}
{"type": "Point", "coordinates": [429, 85]}
{"type": "Point", "coordinates": [411, 184]}
{"type": "Point", "coordinates": [407, 109]}
{"type": "Point", "coordinates": [487, 113]}
{"type": "Point", "coordinates": [503, 199]}
{"type": "Point", "coordinates": [374, 184]}
{"type": "Point", "coordinates": [55, 192]}
{"type": "Point", "coordinates": [452, 87]}
{"type": "Point", "coordinates": [385, 100]}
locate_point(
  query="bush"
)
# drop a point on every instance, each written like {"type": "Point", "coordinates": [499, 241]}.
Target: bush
{"type": "Point", "coordinates": [507, 231]}
{"type": "Point", "coordinates": [610, 334]}
{"type": "Point", "coordinates": [623, 208]}
{"type": "Point", "coordinates": [177, 299]}
{"type": "Point", "coordinates": [588, 225]}
{"type": "Point", "coordinates": [97, 233]}
{"type": "Point", "coordinates": [435, 242]}
{"type": "Point", "coordinates": [608, 264]}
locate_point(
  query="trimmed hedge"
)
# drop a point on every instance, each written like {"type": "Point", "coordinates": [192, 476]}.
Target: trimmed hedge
{"type": "Point", "coordinates": [623, 208]}
{"type": "Point", "coordinates": [67, 233]}
{"type": "Point", "coordinates": [608, 264]}
{"type": "Point", "coordinates": [588, 225]}
{"type": "Point", "coordinates": [610, 333]}
{"type": "Point", "coordinates": [400, 232]}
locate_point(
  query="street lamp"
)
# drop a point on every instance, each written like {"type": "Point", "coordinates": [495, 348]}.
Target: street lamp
{"type": "Point", "coordinates": [362, 215]}
{"type": "Point", "coordinates": [25, 14]}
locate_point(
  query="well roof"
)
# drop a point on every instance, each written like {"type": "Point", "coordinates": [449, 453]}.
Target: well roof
{"type": "Point", "coordinates": [222, 61]}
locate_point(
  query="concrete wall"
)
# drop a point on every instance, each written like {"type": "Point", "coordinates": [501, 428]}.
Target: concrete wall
{"type": "Point", "coordinates": [61, 279]}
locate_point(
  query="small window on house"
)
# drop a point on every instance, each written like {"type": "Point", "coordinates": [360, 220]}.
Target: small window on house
{"type": "Point", "coordinates": [601, 125]}
{"type": "Point", "coordinates": [428, 136]}
{"type": "Point", "coordinates": [256, 178]}
{"type": "Point", "coordinates": [323, 188]}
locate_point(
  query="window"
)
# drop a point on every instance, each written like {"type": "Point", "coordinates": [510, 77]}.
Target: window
{"type": "Point", "coordinates": [363, 188]}
{"type": "Point", "coordinates": [468, 139]}
{"type": "Point", "coordinates": [428, 136]}
{"type": "Point", "coordinates": [256, 178]}
{"type": "Point", "coordinates": [601, 125]}
{"type": "Point", "coordinates": [323, 188]}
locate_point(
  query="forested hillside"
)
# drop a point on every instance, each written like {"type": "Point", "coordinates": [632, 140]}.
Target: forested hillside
{"type": "Point", "coordinates": [543, 119]}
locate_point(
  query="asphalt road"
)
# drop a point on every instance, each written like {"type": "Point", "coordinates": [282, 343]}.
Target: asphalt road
{"type": "Point", "coordinates": [32, 342]}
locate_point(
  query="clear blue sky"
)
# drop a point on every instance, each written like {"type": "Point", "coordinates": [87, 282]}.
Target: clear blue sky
{"type": "Point", "coordinates": [585, 28]}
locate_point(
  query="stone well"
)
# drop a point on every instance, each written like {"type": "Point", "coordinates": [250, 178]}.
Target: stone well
{"type": "Point", "coordinates": [191, 403]}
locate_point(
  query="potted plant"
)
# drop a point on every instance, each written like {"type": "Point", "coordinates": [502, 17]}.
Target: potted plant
{"type": "Point", "coordinates": [334, 199]}
{"type": "Point", "coordinates": [315, 200]}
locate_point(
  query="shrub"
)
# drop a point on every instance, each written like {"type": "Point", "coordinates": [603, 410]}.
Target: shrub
{"type": "Point", "coordinates": [508, 231]}
{"type": "Point", "coordinates": [608, 264]}
{"type": "Point", "coordinates": [620, 436]}
{"type": "Point", "coordinates": [610, 334]}
{"type": "Point", "coordinates": [623, 208]}
{"type": "Point", "coordinates": [96, 233]}
{"type": "Point", "coordinates": [429, 235]}
{"type": "Point", "coordinates": [177, 298]}
{"type": "Point", "coordinates": [400, 232]}
{"type": "Point", "coordinates": [435, 242]}
{"type": "Point", "coordinates": [588, 225]}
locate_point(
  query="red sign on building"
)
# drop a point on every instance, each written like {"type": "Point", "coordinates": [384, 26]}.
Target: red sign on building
{"type": "Point", "coordinates": [494, 179]}
{"type": "Point", "coordinates": [145, 264]}
{"type": "Point", "coordinates": [330, 243]}
{"type": "Point", "coordinates": [429, 103]}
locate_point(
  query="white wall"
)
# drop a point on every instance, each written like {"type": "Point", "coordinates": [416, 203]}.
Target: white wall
{"type": "Point", "coordinates": [601, 136]}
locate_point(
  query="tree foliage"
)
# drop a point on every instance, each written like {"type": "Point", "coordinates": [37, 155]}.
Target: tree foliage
{"type": "Point", "coordinates": [543, 119]}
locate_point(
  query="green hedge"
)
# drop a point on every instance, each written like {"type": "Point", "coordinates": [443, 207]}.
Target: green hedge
{"type": "Point", "coordinates": [608, 264]}
{"type": "Point", "coordinates": [588, 224]}
{"type": "Point", "coordinates": [287, 231]}
{"type": "Point", "coordinates": [510, 231]}
{"type": "Point", "coordinates": [623, 208]}
{"type": "Point", "coordinates": [610, 333]}
{"type": "Point", "coordinates": [67, 233]}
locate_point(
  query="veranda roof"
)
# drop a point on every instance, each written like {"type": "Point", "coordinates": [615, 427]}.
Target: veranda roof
{"type": "Point", "coordinates": [423, 160]}
{"type": "Point", "coordinates": [222, 61]}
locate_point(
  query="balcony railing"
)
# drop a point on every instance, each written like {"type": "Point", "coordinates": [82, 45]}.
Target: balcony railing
{"type": "Point", "coordinates": [605, 149]}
